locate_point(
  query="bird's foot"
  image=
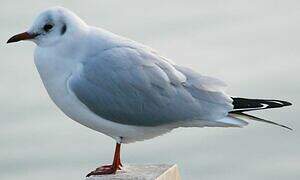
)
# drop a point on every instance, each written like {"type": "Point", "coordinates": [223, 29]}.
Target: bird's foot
{"type": "Point", "coordinates": [106, 169]}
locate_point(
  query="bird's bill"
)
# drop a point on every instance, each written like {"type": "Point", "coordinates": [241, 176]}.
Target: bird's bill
{"type": "Point", "coordinates": [21, 36]}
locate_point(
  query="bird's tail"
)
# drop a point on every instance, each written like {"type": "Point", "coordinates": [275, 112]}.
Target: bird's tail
{"type": "Point", "coordinates": [242, 105]}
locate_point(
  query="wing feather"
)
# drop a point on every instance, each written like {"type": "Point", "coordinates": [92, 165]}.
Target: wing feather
{"type": "Point", "coordinates": [137, 87]}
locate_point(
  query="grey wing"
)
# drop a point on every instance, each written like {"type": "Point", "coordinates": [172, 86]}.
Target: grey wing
{"type": "Point", "coordinates": [137, 87]}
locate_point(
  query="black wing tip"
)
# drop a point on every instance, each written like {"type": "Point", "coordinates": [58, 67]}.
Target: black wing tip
{"type": "Point", "coordinates": [246, 104]}
{"type": "Point", "coordinates": [283, 103]}
{"type": "Point", "coordinates": [287, 103]}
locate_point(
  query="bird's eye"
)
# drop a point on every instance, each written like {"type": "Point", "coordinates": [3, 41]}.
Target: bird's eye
{"type": "Point", "coordinates": [47, 27]}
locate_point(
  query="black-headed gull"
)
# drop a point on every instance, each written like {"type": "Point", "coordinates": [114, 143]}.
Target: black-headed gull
{"type": "Point", "coordinates": [124, 89]}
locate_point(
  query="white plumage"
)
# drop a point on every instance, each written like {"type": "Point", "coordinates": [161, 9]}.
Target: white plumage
{"type": "Point", "coordinates": [77, 66]}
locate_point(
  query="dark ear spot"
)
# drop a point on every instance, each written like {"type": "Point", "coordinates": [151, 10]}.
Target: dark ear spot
{"type": "Point", "coordinates": [63, 29]}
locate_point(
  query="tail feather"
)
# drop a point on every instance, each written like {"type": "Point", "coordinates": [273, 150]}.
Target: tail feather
{"type": "Point", "coordinates": [242, 105]}
{"type": "Point", "coordinates": [244, 116]}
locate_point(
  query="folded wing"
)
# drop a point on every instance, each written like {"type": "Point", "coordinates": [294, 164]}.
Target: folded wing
{"type": "Point", "coordinates": [135, 86]}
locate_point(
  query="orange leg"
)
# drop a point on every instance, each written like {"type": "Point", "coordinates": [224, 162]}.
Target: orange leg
{"type": "Point", "coordinates": [110, 169]}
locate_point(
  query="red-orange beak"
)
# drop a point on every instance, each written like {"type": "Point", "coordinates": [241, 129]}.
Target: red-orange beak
{"type": "Point", "coordinates": [21, 36]}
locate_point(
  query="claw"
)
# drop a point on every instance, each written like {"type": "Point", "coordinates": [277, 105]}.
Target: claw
{"type": "Point", "coordinates": [107, 169]}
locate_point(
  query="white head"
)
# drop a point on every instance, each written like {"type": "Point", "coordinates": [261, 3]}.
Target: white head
{"type": "Point", "coordinates": [52, 26]}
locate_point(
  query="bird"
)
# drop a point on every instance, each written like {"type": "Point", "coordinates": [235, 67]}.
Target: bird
{"type": "Point", "coordinates": [124, 89]}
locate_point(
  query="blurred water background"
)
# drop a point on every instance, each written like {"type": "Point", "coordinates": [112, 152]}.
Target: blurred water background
{"type": "Point", "coordinates": [252, 45]}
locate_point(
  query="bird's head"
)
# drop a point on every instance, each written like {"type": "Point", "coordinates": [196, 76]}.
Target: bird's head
{"type": "Point", "coordinates": [51, 26]}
